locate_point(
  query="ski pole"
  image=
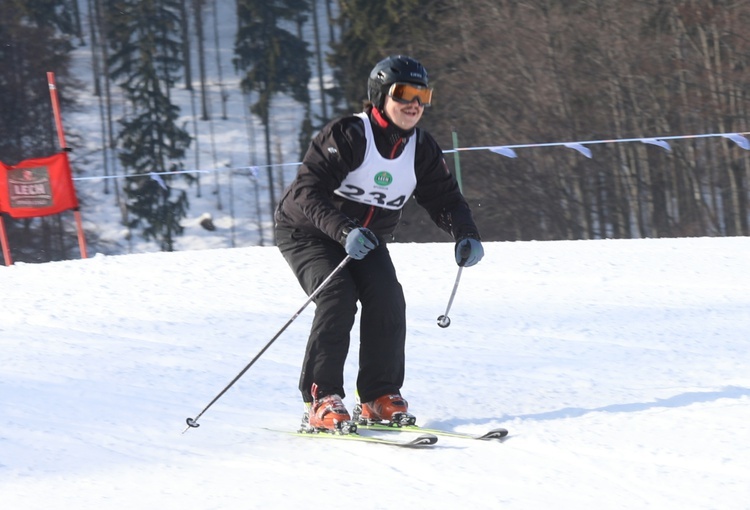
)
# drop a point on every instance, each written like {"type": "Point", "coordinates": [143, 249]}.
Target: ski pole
{"type": "Point", "coordinates": [444, 321]}
{"type": "Point", "coordinates": [193, 422]}
{"type": "Point", "coordinates": [464, 252]}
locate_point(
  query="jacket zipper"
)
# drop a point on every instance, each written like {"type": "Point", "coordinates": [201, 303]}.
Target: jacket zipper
{"type": "Point", "coordinates": [395, 148]}
{"type": "Point", "coordinates": [368, 216]}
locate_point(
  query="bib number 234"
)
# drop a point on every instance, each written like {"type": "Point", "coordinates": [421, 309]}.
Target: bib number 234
{"type": "Point", "coordinates": [373, 197]}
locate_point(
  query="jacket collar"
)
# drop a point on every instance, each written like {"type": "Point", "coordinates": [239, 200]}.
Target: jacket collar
{"type": "Point", "coordinates": [392, 131]}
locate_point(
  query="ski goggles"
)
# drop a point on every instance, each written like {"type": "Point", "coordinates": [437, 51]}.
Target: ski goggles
{"type": "Point", "coordinates": [406, 93]}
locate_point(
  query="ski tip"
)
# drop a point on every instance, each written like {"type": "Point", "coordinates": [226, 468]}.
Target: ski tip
{"type": "Point", "coordinates": [495, 434]}
{"type": "Point", "coordinates": [423, 440]}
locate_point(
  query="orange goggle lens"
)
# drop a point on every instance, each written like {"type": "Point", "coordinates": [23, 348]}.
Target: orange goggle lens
{"type": "Point", "coordinates": [406, 93]}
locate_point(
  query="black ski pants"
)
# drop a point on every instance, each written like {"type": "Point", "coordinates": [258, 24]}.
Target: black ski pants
{"type": "Point", "coordinates": [373, 283]}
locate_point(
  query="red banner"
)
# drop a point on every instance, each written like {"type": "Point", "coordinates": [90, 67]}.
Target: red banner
{"type": "Point", "coordinates": [37, 187]}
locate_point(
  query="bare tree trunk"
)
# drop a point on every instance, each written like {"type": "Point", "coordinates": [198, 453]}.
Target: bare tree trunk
{"type": "Point", "coordinates": [319, 60]}
{"type": "Point", "coordinates": [77, 21]}
{"type": "Point", "coordinates": [198, 16]}
{"type": "Point", "coordinates": [331, 22]}
{"type": "Point", "coordinates": [99, 20]}
{"type": "Point", "coordinates": [186, 56]}
{"type": "Point", "coordinates": [712, 66]}
{"type": "Point", "coordinates": [219, 67]}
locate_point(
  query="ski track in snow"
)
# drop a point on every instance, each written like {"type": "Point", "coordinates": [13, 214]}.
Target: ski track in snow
{"type": "Point", "coordinates": [620, 368]}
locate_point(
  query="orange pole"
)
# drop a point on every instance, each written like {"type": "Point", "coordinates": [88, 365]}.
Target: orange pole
{"type": "Point", "coordinates": [81, 238]}
{"type": "Point", "coordinates": [56, 109]}
{"type": "Point", "coordinates": [61, 138]}
{"type": "Point", "coordinates": [4, 242]}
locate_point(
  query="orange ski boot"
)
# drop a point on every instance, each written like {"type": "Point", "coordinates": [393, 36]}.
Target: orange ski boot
{"type": "Point", "coordinates": [391, 408]}
{"type": "Point", "coordinates": [329, 414]}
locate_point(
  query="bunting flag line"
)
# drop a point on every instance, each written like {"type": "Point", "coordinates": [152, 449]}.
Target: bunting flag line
{"type": "Point", "coordinates": [509, 151]}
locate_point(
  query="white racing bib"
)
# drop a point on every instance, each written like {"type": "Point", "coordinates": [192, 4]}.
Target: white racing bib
{"type": "Point", "coordinates": [378, 181]}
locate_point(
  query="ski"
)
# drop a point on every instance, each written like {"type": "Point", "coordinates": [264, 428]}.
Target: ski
{"type": "Point", "coordinates": [499, 433]}
{"type": "Point", "coordinates": [421, 441]}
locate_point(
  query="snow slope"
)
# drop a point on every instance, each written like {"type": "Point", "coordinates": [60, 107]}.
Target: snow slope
{"type": "Point", "coordinates": [620, 368]}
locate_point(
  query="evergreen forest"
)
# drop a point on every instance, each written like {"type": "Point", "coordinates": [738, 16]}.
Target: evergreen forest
{"type": "Point", "coordinates": [533, 75]}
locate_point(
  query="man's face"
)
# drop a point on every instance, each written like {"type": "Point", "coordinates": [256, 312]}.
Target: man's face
{"type": "Point", "coordinates": [403, 115]}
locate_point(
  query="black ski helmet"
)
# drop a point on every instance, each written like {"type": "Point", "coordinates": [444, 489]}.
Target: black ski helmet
{"type": "Point", "coordinates": [394, 69]}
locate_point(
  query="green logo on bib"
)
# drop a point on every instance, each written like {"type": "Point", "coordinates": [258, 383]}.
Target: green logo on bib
{"type": "Point", "coordinates": [383, 179]}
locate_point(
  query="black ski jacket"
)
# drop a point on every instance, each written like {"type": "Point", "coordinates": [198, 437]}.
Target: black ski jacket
{"type": "Point", "coordinates": [310, 205]}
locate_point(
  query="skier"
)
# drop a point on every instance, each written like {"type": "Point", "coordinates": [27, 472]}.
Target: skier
{"type": "Point", "coordinates": [346, 199]}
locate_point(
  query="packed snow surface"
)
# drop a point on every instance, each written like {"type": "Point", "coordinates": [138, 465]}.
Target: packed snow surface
{"type": "Point", "coordinates": [619, 367]}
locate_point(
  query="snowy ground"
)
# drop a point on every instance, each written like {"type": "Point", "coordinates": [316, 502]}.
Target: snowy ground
{"type": "Point", "coordinates": [620, 368]}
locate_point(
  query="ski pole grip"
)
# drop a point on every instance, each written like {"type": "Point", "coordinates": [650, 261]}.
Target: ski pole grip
{"type": "Point", "coordinates": [464, 251]}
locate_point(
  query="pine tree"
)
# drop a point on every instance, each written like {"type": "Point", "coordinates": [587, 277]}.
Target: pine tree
{"type": "Point", "coordinates": [275, 60]}
{"type": "Point", "coordinates": [371, 31]}
{"type": "Point", "coordinates": [33, 42]}
{"type": "Point", "coordinates": [145, 62]}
